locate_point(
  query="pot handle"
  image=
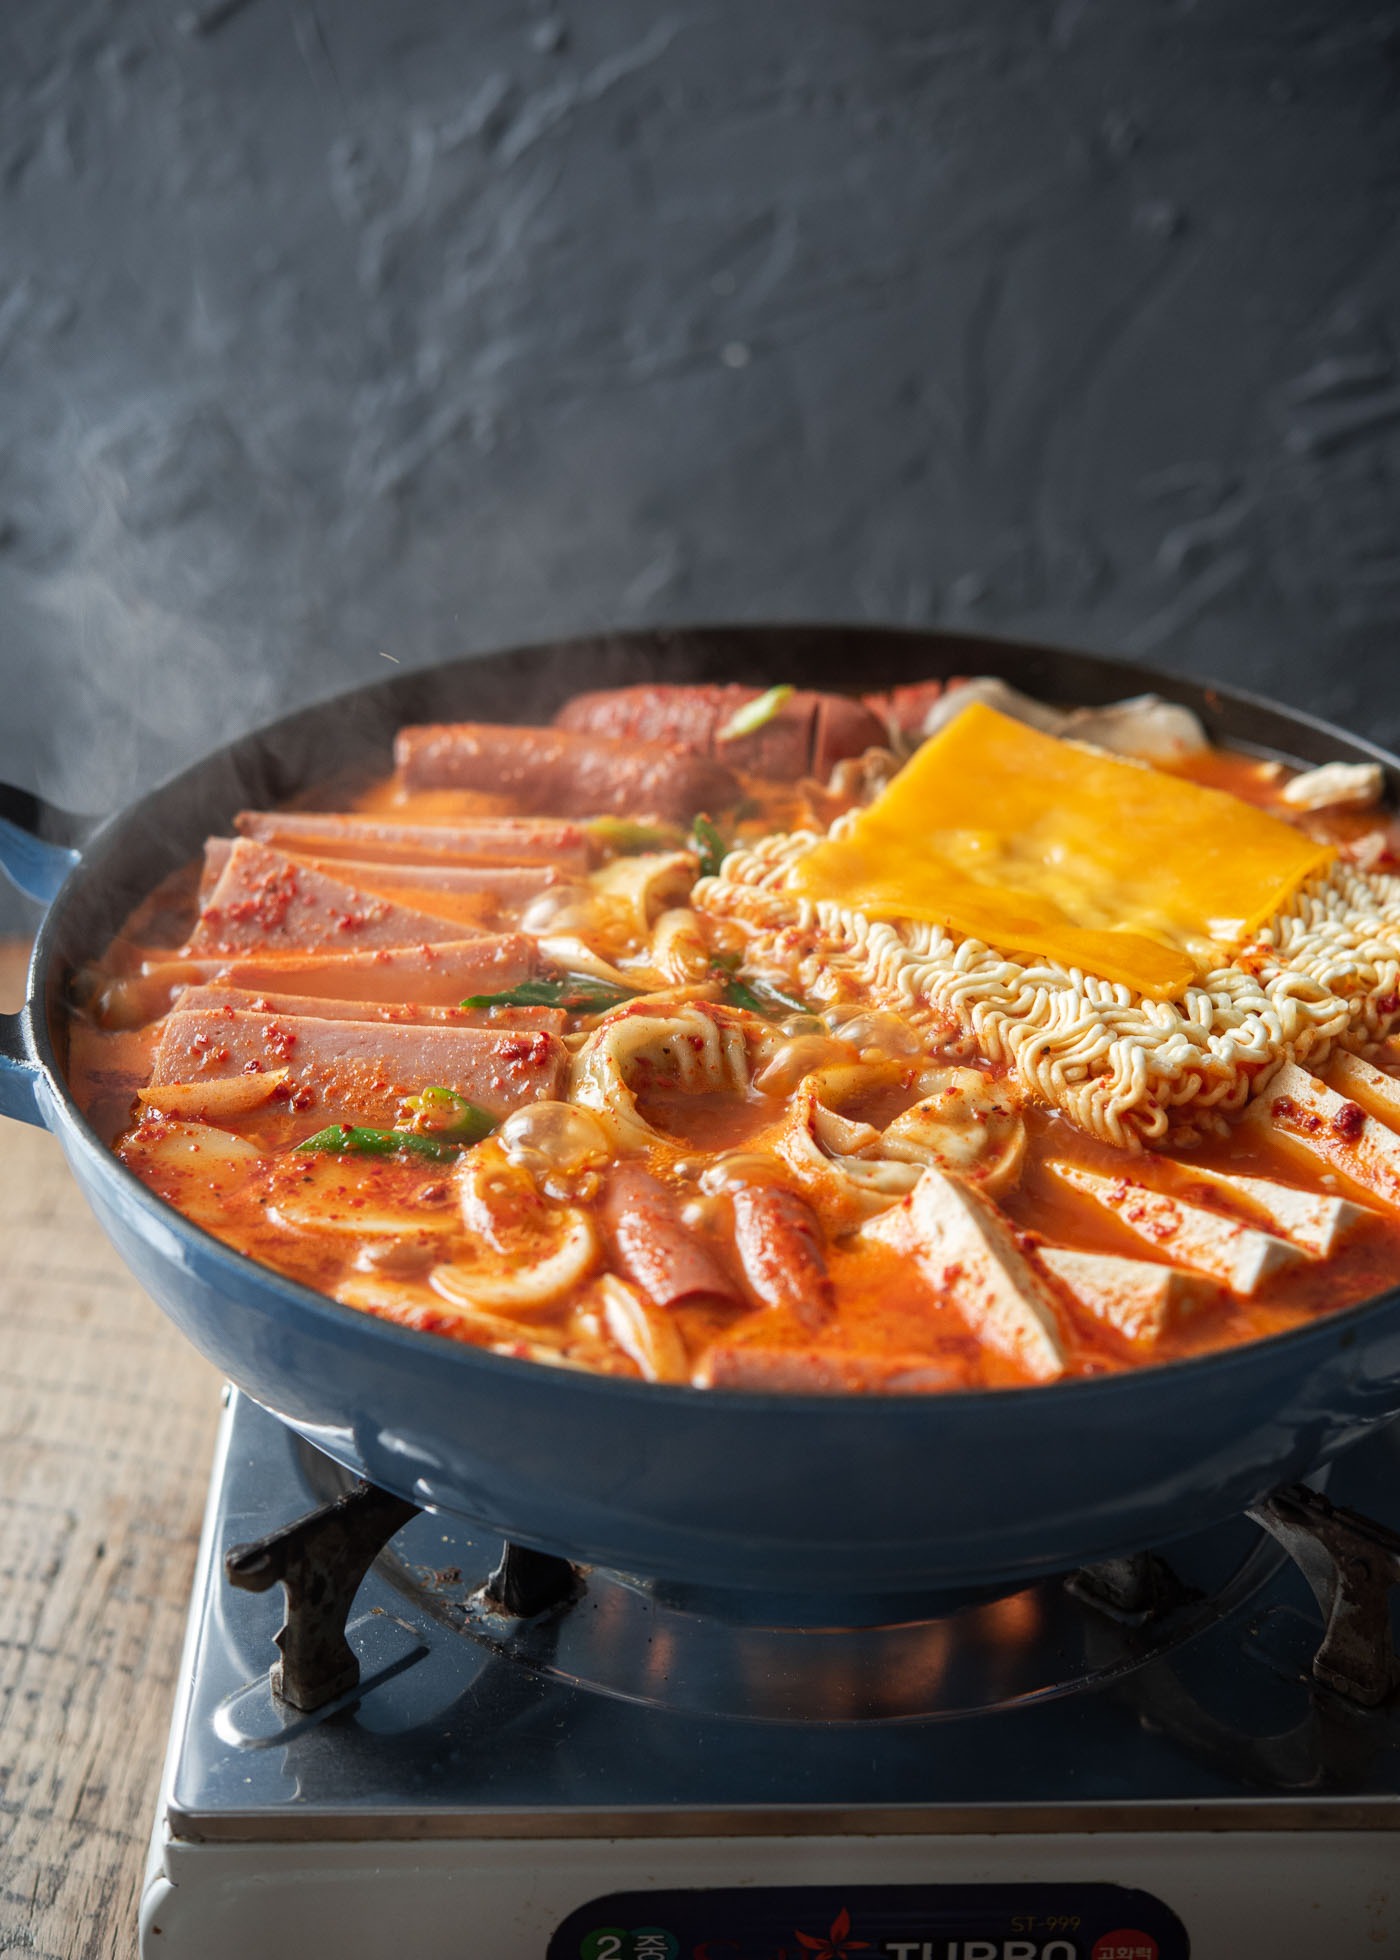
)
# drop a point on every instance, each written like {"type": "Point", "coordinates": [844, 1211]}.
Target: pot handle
{"type": "Point", "coordinates": [39, 843]}
{"type": "Point", "coordinates": [20, 1075]}
{"type": "Point", "coordinates": [38, 848]}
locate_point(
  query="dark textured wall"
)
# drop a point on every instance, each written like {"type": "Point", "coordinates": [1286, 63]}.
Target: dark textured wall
{"type": "Point", "coordinates": [331, 331]}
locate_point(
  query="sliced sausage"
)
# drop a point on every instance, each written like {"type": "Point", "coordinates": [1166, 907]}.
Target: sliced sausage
{"type": "Point", "coordinates": [903, 709]}
{"type": "Point", "coordinates": [761, 1368]}
{"type": "Point", "coordinates": [654, 1248]}
{"type": "Point", "coordinates": [568, 774]}
{"type": "Point", "coordinates": [360, 1071]}
{"type": "Point", "coordinates": [266, 900]}
{"type": "Point", "coordinates": [470, 840]}
{"type": "Point", "coordinates": [809, 733]}
{"type": "Point", "coordinates": [782, 1252]}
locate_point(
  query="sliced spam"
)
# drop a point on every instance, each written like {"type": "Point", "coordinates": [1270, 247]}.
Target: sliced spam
{"type": "Point", "coordinates": [481, 840]}
{"type": "Point", "coordinates": [438, 975]}
{"type": "Point", "coordinates": [1302, 1116]}
{"type": "Point", "coordinates": [1239, 1256]}
{"type": "Point", "coordinates": [1312, 1220]}
{"type": "Point", "coordinates": [360, 1071]}
{"type": "Point", "coordinates": [263, 899]}
{"type": "Point", "coordinates": [1138, 1298]}
{"type": "Point", "coordinates": [261, 1000]}
{"type": "Point", "coordinates": [966, 1253]}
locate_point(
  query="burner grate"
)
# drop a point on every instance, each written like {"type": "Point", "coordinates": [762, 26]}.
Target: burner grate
{"type": "Point", "coordinates": [1350, 1562]}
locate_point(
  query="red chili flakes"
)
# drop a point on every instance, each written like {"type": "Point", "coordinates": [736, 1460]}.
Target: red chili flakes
{"type": "Point", "coordinates": [301, 1099]}
{"type": "Point", "coordinates": [1292, 1116]}
{"type": "Point", "coordinates": [278, 1041]}
{"type": "Point", "coordinates": [1349, 1121]}
{"type": "Point", "coordinates": [1388, 1004]}
{"type": "Point", "coordinates": [253, 1067]}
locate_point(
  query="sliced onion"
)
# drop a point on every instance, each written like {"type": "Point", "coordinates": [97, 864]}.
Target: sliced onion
{"type": "Point", "coordinates": [526, 1283]}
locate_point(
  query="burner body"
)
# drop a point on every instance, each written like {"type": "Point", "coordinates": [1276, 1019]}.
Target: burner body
{"type": "Point", "coordinates": [558, 1760]}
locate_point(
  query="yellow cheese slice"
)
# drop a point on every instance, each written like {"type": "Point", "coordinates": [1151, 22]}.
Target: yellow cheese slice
{"type": "Point", "coordinates": [1035, 846]}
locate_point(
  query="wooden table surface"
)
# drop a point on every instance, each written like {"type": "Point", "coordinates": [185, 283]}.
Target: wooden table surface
{"type": "Point", "coordinates": [107, 1422]}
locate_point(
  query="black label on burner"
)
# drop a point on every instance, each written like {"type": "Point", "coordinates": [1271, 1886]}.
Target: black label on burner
{"type": "Point", "coordinates": [876, 1922]}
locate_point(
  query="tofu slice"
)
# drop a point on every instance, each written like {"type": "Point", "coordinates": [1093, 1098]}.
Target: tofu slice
{"type": "Point", "coordinates": [1364, 1083]}
{"type": "Point", "coordinates": [966, 1252]}
{"type": "Point", "coordinates": [1311, 1220]}
{"type": "Point", "coordinates": [1140, 1300]}
{"type": "Point", "coordinates": [1302, 1116]}
{"type": "Point", "coordinates": [1237, 1255]}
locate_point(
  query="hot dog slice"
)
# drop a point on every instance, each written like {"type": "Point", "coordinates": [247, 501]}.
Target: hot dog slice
{"type": "Point", "coordinates": [264, 901]}
{"type": "Point", "coordinates": [360, 1071]}
{"type": "Point", "coordinates": [781, 1250]}
{"type": "Point", "coordinates": [653, 1247]}
{"type": "Point", "coordinates": [753, 1365]}
{"type": "Point", "coordinates": [568, 774]}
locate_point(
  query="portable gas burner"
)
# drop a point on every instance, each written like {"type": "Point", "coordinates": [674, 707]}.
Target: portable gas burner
{"type": "Point", "coordinates": [1192, 1752]}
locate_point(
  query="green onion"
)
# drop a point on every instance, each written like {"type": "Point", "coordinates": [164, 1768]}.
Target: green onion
{"type": "Point", "coordinates": [449, 1118]}
{"type": "Point", "coordinates": [711, 846]}
{"type": "Point", "coordinates": [340, 1140]}
{"type": "Point", "coordinates": [625, 836]}
{"type": "Point", "coordinates": [757, 997]}
{"type": "Point", "coordinates": [581, 993]}
{"type": "Point", "coordinates": [753, 714]}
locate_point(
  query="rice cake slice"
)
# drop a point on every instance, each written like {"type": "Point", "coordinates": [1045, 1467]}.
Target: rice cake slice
{"type": "Point", "coordinates": [1315, 1221]}
{"type": "Point", "coordinates": [1240, 1256]}
{"type": "Point", "coordinates": [1301, 1115]}
{"type": "Point", "coordinates": [1139, 1299]}
{"type": "Point", "coordinates": [966, 1252]}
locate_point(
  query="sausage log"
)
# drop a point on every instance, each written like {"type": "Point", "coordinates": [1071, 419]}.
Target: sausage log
{"type": "Point", "coordinates": [563, 773]}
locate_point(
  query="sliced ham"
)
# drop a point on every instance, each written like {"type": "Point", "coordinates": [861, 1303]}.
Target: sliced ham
{"type": "Point", "coordinates": [782, 1252]}
{"type": "Point", "coordinates": [471, 840]}
{"type": "Point", "coordinates": [558, 771]}
{"type": "Point", "coordinates": [265, 901]}
{"type": "Point", "coordinates": [245, 1000]}
{"type": "Point", "coordinates": [654, 1248]}
{"type": "Point", "coordinates": [216, 857]}
{"type": "Point", "coordinates": [359, 1071]}
{"type": "Point", "coordinates": [431, 976]}
{"type": "Point", "coordinates": [808, 734]}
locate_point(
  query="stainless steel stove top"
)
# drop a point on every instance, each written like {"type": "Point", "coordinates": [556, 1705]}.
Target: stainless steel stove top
{"type": "Point", "coordinates": [1035, 1712]}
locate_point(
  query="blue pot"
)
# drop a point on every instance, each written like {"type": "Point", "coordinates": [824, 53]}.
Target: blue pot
{"type": "Point", "coordinates": [799, 1493]}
